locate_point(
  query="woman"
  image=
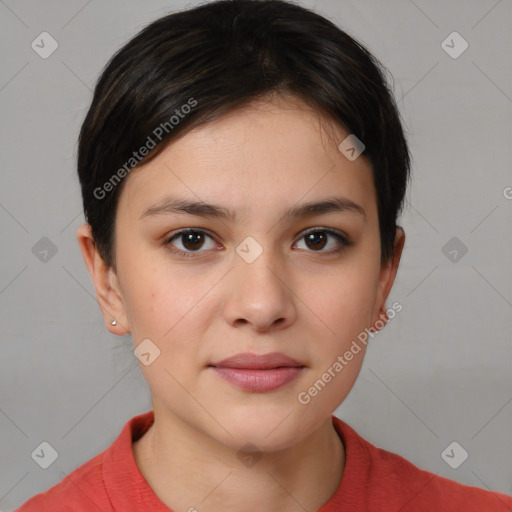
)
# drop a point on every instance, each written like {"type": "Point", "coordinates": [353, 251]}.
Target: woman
{"type": "Point", "coordinates": [243, 167]}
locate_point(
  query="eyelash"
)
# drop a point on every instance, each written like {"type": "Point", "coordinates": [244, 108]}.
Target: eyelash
{"type": "Point", "coordinates": [342, 239]}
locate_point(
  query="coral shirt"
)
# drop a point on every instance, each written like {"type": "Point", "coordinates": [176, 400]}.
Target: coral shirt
{"type": "Point", "coordinates": [373, 480]}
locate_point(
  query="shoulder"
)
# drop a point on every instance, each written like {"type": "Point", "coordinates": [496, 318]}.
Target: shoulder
{"type": "Point", "coordinates": [80, 491]}
{"type": "Point", "coordinates": [420, 490]}
{"type": "Point", "coordinates": [391, 482]}
{"type": "Point", "coordinates": [111, 476]}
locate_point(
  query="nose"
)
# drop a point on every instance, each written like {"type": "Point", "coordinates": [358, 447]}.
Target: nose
{"type": "Point", "coordinates": [261, 294]}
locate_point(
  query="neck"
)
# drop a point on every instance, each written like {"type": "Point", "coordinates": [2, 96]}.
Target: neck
{"type": "Point", "coordinates": [188, 469]}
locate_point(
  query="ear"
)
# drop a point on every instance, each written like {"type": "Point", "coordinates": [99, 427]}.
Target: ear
{"type": "Point", "coordinates": [105, 281]}
{"type": "Point", "coordinates": [386, 279]}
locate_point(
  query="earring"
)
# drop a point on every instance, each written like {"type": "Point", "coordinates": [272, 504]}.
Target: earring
{"type": "Point", "coordinates": [114, 322]}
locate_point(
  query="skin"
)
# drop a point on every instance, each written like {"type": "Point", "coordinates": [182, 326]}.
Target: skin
{"type": "Point", "coordinates": [294, 298]}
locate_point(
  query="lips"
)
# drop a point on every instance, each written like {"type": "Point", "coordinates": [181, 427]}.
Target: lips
{"type": "Point", "coordinates": [258, 362]}
{"type": "Point", "coordinates": [258, 373]}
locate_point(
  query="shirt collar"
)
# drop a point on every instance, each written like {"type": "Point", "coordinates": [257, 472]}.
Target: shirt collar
{"type": "Point", "coordinates": [129, 491]}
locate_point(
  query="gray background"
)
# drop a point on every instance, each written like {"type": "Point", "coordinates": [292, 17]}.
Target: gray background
{"type": "Point", "coordinates": [439, 372]}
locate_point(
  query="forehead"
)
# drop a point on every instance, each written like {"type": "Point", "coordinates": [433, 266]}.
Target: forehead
{"type": "Point", "coordinates": [270, 154]}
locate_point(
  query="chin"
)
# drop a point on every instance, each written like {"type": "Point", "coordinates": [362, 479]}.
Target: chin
{"type": "Point", "coordinates": [270, 428]}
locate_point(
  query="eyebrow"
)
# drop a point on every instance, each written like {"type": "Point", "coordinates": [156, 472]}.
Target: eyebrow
{"type": "Point", "coordinates": [175, 205]}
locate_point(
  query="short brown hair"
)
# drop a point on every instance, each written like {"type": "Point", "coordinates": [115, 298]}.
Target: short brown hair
{"type": "Point", "coordinates": [222, 55]}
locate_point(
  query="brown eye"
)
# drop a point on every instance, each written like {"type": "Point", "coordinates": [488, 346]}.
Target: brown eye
{"type": "Point", "coordinates": [317, 239]}
{"type": "Point", "coordinates": [191, 240]}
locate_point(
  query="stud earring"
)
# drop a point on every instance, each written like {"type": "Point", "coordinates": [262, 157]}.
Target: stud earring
{"type": "Point", "coordinates": [114, 322]}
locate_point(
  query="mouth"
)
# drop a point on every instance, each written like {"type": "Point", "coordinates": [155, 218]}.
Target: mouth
{"type": "Point", "coordinates": [258, 373]}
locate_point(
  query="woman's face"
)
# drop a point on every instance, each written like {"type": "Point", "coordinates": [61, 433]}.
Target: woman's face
{"type": "Point", "coordinates": [252, 282]}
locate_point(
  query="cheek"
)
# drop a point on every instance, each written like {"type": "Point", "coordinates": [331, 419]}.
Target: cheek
{"type": "Point", "coordinates": [163, 302]}
{"type": "Point", "coordinates": [344, 300]}
{"type": "Point", "coordinates": [342, 305]}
